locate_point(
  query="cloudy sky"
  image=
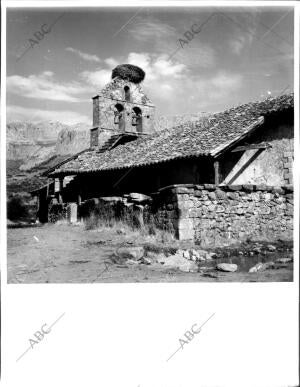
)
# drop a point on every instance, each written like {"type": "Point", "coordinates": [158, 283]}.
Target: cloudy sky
{"type": "Point", "coordinates": [233, 55]}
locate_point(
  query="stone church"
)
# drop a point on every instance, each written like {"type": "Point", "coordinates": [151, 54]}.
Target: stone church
{"type": "Point", "coordinates": [202, 176]}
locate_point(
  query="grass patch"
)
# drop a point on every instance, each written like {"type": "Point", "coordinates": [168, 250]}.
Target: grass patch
{"type": "Point", "coordinates": [132, 223]}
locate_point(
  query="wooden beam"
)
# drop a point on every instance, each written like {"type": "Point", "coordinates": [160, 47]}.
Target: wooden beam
{"type": "Point", "coordinates": [47, 193]}
{"type": "Point", "coordinates": [240, 168]}
{"type": "Point", "coordinates": [217, 172]}
{"type": "Point", "coordinates": [61, 187]}
{"type": "Point", "coordinates": [243, 148]}
{"type": "Point", "coordinates": [229, 145]}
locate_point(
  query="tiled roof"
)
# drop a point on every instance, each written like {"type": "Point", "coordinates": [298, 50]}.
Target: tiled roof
{"type": "Point", "coordinates": [207, 136]}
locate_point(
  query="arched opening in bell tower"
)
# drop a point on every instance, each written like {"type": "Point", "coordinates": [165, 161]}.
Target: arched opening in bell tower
{"type": "Point", "coordinates": [119, 117]}
{"type": "Point", "coordinates": [137, 119]}
{"type": "Point", "coordinates": [127, 93]}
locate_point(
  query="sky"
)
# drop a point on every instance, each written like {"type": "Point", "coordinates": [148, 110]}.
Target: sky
{"type": "Point", "coordinates": [200, 59]}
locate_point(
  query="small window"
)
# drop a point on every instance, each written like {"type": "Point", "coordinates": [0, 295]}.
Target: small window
{"type": "Point", "coordinates": [127, 93]}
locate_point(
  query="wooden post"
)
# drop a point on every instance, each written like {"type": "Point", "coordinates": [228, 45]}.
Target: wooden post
{"type": "Point", "coordinates": [61, 186]}
{"type": "Point", "coordinates": [217, 172]}
{"type": "Point", "coordinates": [47, 193]}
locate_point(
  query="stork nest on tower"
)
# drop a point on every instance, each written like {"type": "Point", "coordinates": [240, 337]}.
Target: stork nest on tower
{"type": "Point", "coordinates": [129, 72]}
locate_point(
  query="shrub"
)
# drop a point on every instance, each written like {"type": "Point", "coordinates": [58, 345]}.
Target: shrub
{"type": "Point", "coordinates": [16, 208]}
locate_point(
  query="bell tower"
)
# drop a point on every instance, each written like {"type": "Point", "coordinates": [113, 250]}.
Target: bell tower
{"type": "Point", "coordinates": [122, 106]}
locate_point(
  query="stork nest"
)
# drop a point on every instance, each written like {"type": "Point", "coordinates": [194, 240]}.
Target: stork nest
{"type": "Point", "coordinates": [129, 72]}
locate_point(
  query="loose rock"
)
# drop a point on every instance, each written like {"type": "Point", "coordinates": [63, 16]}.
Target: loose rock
{"type": "Point", "coordinates": [261, 267]}
{"type": "Point", "coordinates": [271, 248]}
{"type": "Point", "coordinates": [134, 253]}
{"type": "Point", "coordinates": [211, 275]}
{"type": "Point", "coordinates": [178, 262]}
{"type": "Point", "coordinates": [231, 267]}
{"type": "Point", "coordinates": [186, 254]}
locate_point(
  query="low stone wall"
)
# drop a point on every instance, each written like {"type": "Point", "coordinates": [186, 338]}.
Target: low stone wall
{"type": "Point", "coordinates": [206, 214]}
{"type": "Point", "coordinates": [214, 215]}
{"type": "Point", "coordinates": [137, 210]}
{"type": "Point", "coordinates": [164, 210]}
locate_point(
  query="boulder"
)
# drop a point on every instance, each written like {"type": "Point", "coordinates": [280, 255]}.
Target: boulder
{"type": "Point", "coordinates": [260, 267]}
{"type": "Point", "coordinates": [194, 255]}
{"type": "Point", "coordinates": [178, 262]}
{"type": "Point", "coordinates": [227, 267]}
{"type": "Point", "coordinates": [133, 253]}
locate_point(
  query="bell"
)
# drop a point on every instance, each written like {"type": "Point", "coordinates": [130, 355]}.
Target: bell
{"type": "Point", "coordinates": [117, 118]}
{"type": "Point", "coordinates": [133, 121]}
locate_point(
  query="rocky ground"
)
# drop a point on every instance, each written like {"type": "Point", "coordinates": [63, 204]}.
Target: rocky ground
{"type": "Point", "coordinates": [63, 253]}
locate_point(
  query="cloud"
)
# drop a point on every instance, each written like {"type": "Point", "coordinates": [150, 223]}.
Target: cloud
{"type": "Point", "coordinates": [83, 55]}
{"type": "Point", "coordinates": [44, 87]}
{"type": "Point", "coordinates": [98, 78]}
{"type": "Point", "coordinates": [211, 91]}
{"type": "Point", "coordinates": [151, 29]}
{"type": "Point", "coordinates": [226, 81]}
{"type": "Point", "coordinates": [157, 66]}
{"type": "Point", "coordinates": [111, 62]}
{"type": "Point", "coordinates": [241, 31]}
{"type": "Point", "coordinates": [18, 113]}
{"type": "Point", "coordinates": [162, 38]}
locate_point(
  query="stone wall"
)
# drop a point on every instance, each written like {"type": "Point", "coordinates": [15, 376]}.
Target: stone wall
{"type": "Point", "coordinates": [206, 214]}
{"type": "Point", "coordinates": [164, 210]}
{"type": "Point", "coordinates": [272, 166]}
{"type": "Point", "coordinates": [213, 215]}
{"type": "Point", "coordinates": [288, 159]}
{"type": "Point", "coordinates": [137, 210]}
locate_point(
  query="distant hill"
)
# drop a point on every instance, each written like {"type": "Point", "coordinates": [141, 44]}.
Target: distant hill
{"type": "Point", "coordinates": [32, 148]}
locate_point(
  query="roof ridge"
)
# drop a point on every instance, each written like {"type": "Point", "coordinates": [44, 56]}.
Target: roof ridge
{"type": "Point", "coordinates": [190, 139]}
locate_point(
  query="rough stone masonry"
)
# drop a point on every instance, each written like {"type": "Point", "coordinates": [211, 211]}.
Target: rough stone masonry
{"type": "Point", "coordinates": [206, 214]}
{"type": "Point", "coordinates": [212, 215]}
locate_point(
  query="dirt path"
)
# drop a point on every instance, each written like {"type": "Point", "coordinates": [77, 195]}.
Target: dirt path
{"type": "Point", "coordinates": [71, 254]}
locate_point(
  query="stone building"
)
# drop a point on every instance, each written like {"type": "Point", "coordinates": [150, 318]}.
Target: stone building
{"type": "Point", "coordinates": [242, 155]}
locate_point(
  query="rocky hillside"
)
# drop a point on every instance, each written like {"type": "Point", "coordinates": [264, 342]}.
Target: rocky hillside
{"type": "Point", "coordinates": [34, 147]}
